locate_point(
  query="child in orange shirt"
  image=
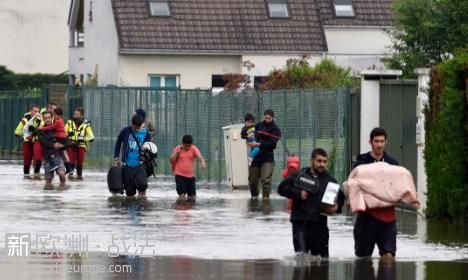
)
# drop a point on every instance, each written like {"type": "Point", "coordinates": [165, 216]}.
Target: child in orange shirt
{"type": "Point", "coordinates": [183, 161]}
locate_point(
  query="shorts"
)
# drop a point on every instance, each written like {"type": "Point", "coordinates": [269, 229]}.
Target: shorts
{"type": "Point", "coordinates": [185, 185]}
{"type": "Point", "coordinates": [134, 178]}
{"type": "Point", "coordinates": [369, 231]}
{"type": "Point", "coordinates": [52, 164]}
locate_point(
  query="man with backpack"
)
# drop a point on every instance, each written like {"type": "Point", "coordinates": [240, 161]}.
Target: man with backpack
{"type": "Point", "coordinates": [129, 154]}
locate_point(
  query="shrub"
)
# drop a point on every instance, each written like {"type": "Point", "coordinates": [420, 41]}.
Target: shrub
{"type": "Point", "coordinates": [447, 141]}
{"type": "Point", "coordinates": [299, 74]}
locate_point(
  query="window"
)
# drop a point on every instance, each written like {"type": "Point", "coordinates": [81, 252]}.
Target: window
{"type": "Point", "coordinates": [159, 8]}
{"type": "Point", "coordinates": [155, 81]}
{"type": "Point", "coordinates": [77, 36]}
{"type": "Point", "coordinates": [278, 8]}
{"type": "Point", "coordinates": [71, 79]}
{"type": "Point", "coordinates": [164, 81]}
{"type": "Point", "coordinates": [343, 8]}
{"type": "Point", "coordinates": [217, 81]}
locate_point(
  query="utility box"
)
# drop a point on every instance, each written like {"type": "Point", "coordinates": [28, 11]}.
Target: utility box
{"type": "Point", "coordinates": [237, 167]}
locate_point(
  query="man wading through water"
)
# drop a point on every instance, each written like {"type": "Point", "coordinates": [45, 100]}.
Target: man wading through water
{"type": "Point", "coordinates": [376, 226]}
{"type": "Point", "coordinates": [267, 134]}
{"type": "Point", "coordinates": [306, 188]}
{"type": "Point", "coordinates": [127, 153]}
{"type": "Point", "coordinates": [53, 161]}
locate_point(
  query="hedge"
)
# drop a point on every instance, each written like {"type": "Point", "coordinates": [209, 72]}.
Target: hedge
{"type": "Point", "coordinates": [446, 150]}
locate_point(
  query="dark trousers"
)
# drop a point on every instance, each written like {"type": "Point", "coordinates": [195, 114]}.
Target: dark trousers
{"type": "Point", "coordinates": [310, 237]}
{"type": "Point", "coordinates": [369, 231]}
{"type": "Point", "coordinates": [261, 174]}
{"type": "Point", "coordinates": [185, 185]}
{"type": "Point", "coordinates": [134, 178]}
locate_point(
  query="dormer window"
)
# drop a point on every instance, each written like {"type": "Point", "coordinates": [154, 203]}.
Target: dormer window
{"type": "Point", "coordinates": [278, 8]}
{"type": "Point", "coordinates": [159, 8]}
{"type": "Point", "coordinates": [343, 8]}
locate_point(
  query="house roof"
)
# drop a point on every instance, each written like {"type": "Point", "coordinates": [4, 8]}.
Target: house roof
{"type": "Point", "coordinates": [367, 13]}
{"type": "Point", "coordinates": [219, 26]}
{"type": "Point", "coordinates": [237, 26]}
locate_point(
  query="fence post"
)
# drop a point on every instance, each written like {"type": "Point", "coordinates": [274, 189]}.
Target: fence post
{"type": "Point", "coordinates": [210, 160]}
{"type": "Point", "coordinates": [301, 112]}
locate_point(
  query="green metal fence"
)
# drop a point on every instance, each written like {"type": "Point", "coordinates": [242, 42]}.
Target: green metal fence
{"type": "Point", "coordinates": [13, 105]}
{"type": "Point", "coordinates": [307, 119]}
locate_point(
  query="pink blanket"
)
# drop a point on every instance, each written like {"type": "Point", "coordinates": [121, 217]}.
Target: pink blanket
{"type": "Point", "coordinates": [378, 185]}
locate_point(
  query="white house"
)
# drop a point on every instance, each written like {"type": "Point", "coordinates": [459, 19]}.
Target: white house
{"type": "Point", "coordinates": [191, 44]}
{"type": "Point", "coordinates": [34, 35]}
{"type": "Point", "coordinates": [355, 31]}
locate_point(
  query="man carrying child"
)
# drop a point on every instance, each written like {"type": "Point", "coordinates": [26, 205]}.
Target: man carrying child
{"type": "Point", "coordinates": [58, 127]}
{"type": "Point", "coordinates": [53, 161]}
{"type": "Point", "coordinates": [267, 134]}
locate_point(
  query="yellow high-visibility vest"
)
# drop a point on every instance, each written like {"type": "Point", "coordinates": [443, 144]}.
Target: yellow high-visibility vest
{"type": "Point", "coordinates": [81, 135]}
{"type": "Point", "coordinates": [19, 131]}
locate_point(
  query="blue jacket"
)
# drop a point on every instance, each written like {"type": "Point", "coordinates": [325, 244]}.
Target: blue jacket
{"type": "Point", "coordinates": [122, 144]}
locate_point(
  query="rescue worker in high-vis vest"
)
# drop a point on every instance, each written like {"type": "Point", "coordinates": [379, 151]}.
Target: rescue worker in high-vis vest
{"type": "Point", "coordinates": [80, 134]}
{"type": "Point", "coordinates": [30, 120]}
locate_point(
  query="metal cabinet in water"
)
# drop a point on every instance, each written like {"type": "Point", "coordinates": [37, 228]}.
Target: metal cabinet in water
{"type": "Point", "coordinates": [237, 171]}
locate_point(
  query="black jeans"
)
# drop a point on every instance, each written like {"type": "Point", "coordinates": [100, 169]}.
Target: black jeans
{"type": "Point", "coordinates": [310, 237]}
{"type": "Point", "coordinates": [369, 231]}
{"type": "Point", "coordinates": [134, 178]}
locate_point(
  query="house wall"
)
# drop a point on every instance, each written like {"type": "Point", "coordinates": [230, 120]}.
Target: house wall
{"type": "Point", "coordinates": [358, 48]}
{"type": "Point", "coordinates": [34, 35]}
{"type": "Point", "coordinates": [194, 71]}
{"type": "Point", "coordinates": [100, 50]}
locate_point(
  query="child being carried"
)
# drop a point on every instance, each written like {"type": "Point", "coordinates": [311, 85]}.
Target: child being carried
{"type": "Point", "coordinates": [250, 130]}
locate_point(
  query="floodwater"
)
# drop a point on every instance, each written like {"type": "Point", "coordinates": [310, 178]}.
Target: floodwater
{"type": "Point", "coordinates": [82, 232]}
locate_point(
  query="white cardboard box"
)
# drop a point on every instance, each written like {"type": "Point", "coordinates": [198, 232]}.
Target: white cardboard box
{"type": "Point", "coordinates": [331, 192]}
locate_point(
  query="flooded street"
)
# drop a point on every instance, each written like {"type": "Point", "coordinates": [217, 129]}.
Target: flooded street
{"type": "Point", "coordinates": [224, 235]}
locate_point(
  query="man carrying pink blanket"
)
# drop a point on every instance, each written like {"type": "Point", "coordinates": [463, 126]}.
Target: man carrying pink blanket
{"type": "Point", "coordinates": [374, 187]}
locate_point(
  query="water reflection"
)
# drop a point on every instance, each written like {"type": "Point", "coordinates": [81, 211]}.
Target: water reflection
{"type": "Point", "coordinates": [316, 270]}
{"type": "Point", "coordinates": [184, 268]}
{"type": "Point", "coordinates": [260, 206]}
{"type": "Point", "coordinates": [447, 233]}
{"type": "Point", "coordinates": [364, 270]}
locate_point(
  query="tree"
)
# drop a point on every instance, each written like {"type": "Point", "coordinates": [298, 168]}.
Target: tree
{"type": "Point", "coordinates": [14, 81]}
{"type": "Point", "coordinates": [427, 32]}
{"type": "Point", "coordinates": [7, 79]}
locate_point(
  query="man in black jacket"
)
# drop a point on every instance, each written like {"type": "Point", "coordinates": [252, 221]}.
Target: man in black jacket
{"type": "Point", "coordinates": [267, 134]}
{"type": "Point", "coordinates": [306, 188]}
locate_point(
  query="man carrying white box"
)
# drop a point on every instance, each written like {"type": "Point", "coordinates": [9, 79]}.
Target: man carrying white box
{"type": "Point", "coordinates": [315, 194]}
